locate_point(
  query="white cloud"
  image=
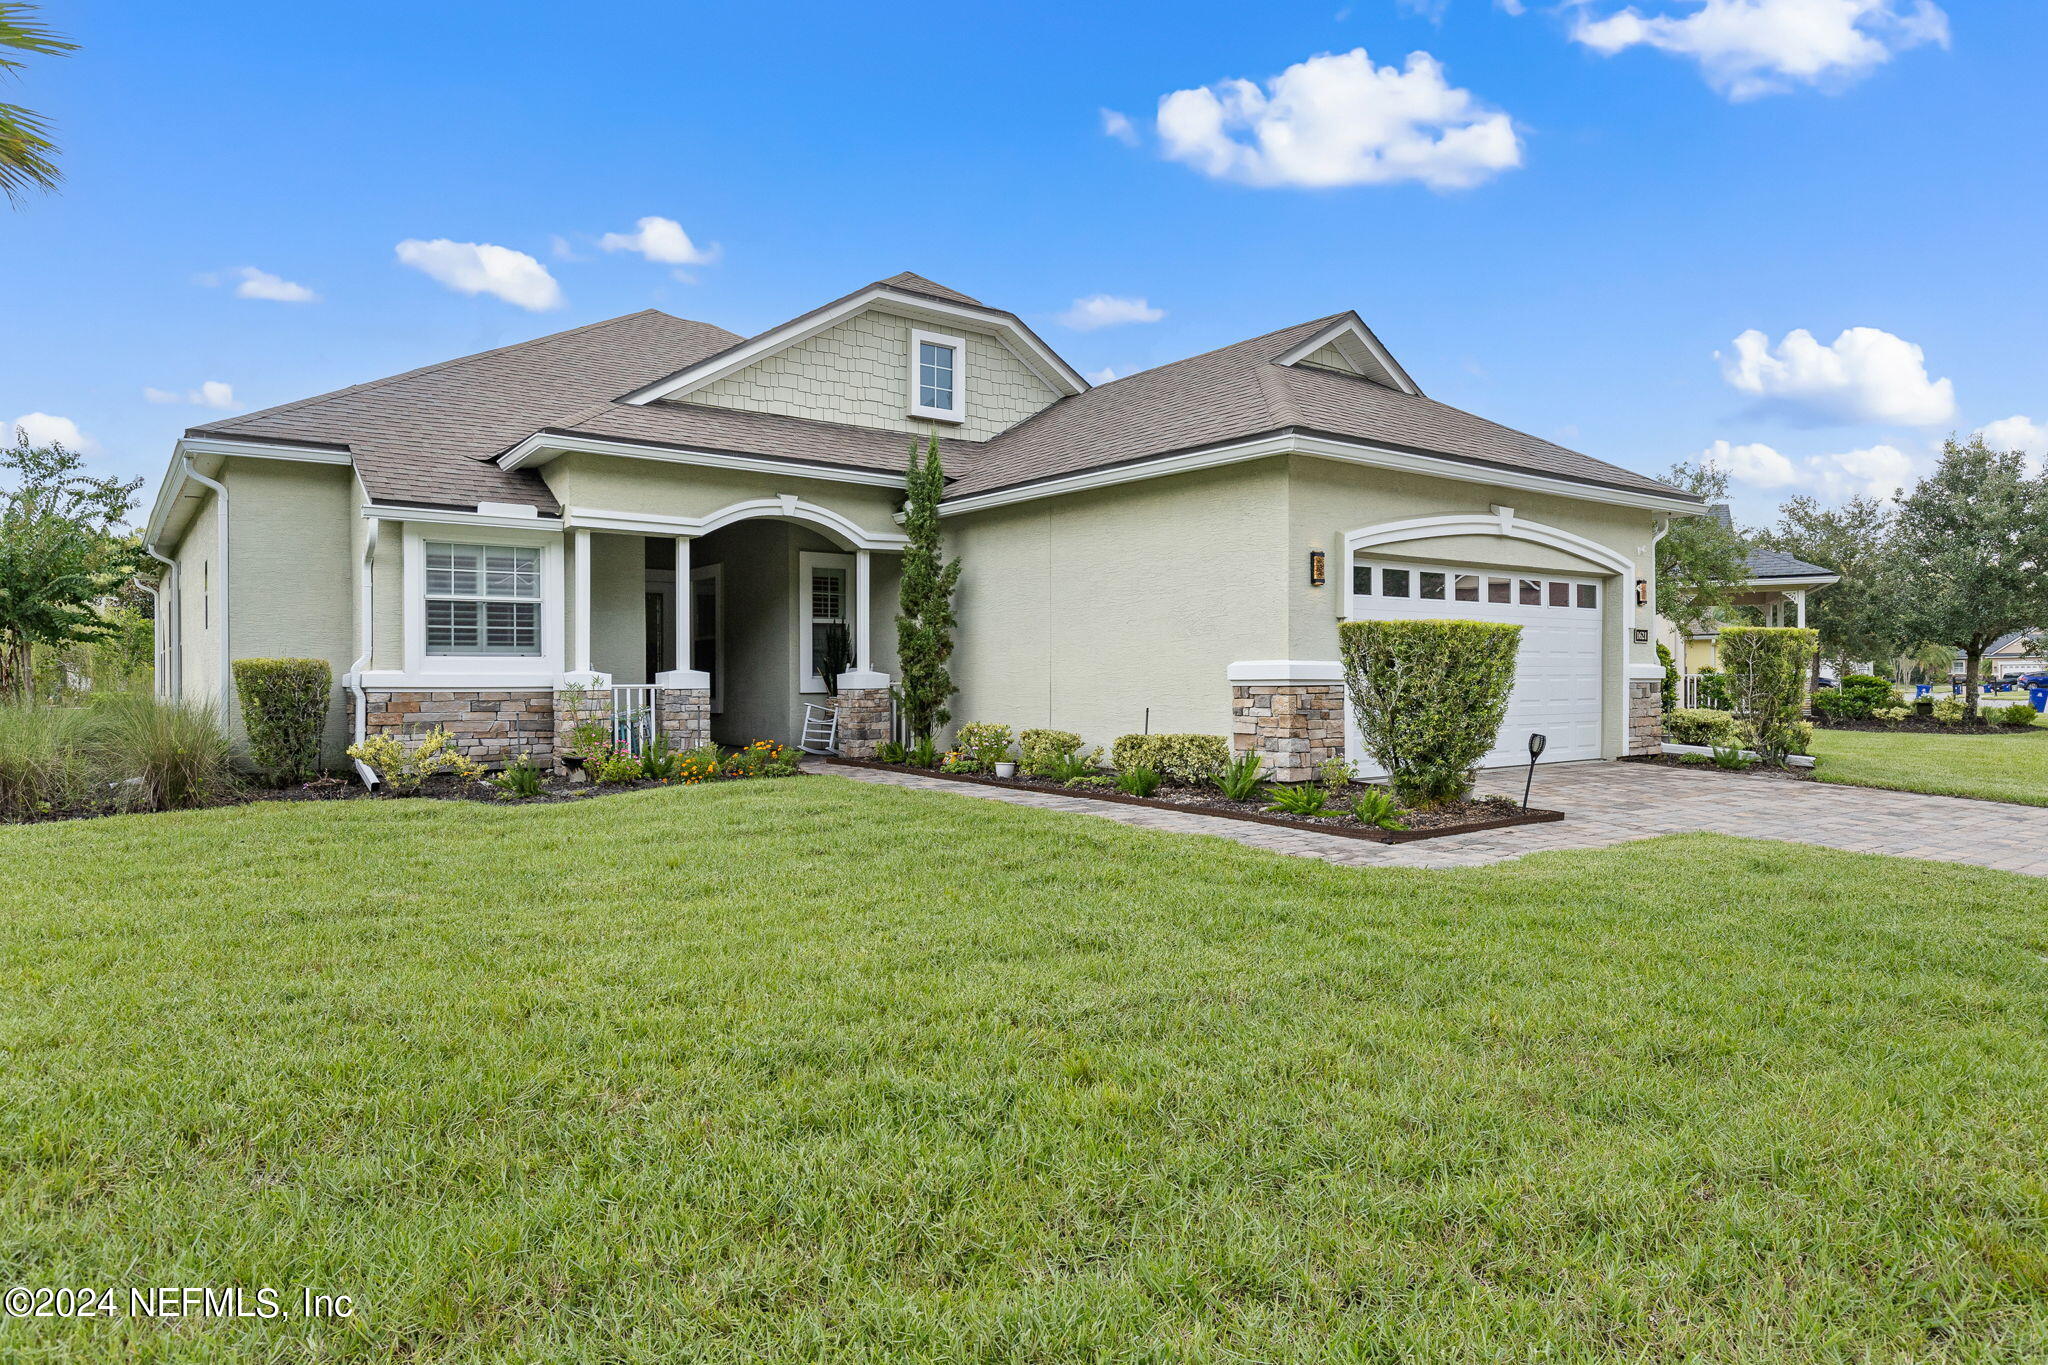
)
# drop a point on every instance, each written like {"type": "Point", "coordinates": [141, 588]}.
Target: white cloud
{"type": "Point", "coordinates": [1510, 6]}
{"type": "Point", "coordinates": [1867, 375]}
{"type": "Point", "coordinates": [1336, 119]}
{"type": "Point", "coordinates": [2020, 433]}
{"type": "Point", "coordinates": [661, 240]}
{"type": "Point", "coordinates": [210, 394]}
{"type": "Point", "coordinates": [1878, 472]}
{"type": "Point", "coordinates": [1118, 126]}
{"type": "Point", "coordinates": [1107, 310]}
{"type": "Point", "coordinates": [1754, 464]}
{"type": "Point", "coordinates": [44, 428]}
{"type": "Point", "coordinates": [1432, 10]}
{"type": "Point", "coordinates": [1101, 376]}
{"type": "Point", "coordinates": [1748, 48]}
{"type": "Point", "coordinates": [482, 268]}
{"type": "Point", "coordinates": [261, 284]}
{"type": "Point", "coordinates": [562, 249]}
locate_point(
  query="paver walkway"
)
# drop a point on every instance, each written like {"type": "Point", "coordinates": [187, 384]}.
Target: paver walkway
{"type": "Point", "coordinates": [1611, 803]}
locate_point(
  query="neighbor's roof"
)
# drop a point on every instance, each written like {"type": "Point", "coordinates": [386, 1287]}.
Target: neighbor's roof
{"type": "Point", "coordinates": [1238, 392]}
{"type": "Point", "coordinates": [429, 436]}
{"type": "Point", "coordinates": [1778, 564]}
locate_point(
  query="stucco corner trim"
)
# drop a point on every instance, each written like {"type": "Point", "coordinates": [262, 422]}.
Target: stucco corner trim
{"type": "Point", "coordinates": [1281, 671]}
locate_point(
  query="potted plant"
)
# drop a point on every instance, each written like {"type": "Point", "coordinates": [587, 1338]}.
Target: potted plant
{"type": "Point", "coordinates": [1006, 767]}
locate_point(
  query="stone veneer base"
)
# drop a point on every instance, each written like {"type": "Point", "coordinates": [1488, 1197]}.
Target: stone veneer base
{"type": "Point", "coordinates": [1293, 726]}
{"type": "Point", "coordinates": [1645, 715]}
{"type": "Point", "coordinates": [487, 726]}
{"type": "Point", "coordinates": [864, 720]}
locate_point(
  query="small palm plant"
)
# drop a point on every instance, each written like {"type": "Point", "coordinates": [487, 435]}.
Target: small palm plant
{"type": "Point", "coordinates": [1241, 778]}
{"type": "Point", "coordinates": [1377, 808]}
{"type": "Point", "coordinates": [1138, 780]}
{"type": "Point", "coordinates": [1306, 799]}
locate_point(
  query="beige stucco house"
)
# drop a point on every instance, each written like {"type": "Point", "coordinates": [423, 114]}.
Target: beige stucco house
{"type": "Point", "coordinates": [654, 511]}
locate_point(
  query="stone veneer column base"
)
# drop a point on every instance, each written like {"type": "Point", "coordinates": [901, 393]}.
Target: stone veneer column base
{"type": "Point", "coordinates": [1645, 715]}
{"type": "Point", "coordinates": [1293, 726]}
{"type": "Point", "coordinates": [572, 707]}
{"type": "Point", "coordinates": [487, 727]}
{"type": "Point", "coordinates": [864, 715]}
{"type": "Point", "coordinates": [683, 715]}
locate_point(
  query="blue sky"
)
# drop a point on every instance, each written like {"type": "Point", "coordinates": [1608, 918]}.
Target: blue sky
{"type": "Point", "coordinates": [1558, 218]}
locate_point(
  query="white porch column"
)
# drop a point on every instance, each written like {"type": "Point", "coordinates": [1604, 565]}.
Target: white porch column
{"type": "Point", "coordinates": [683, 675]}
{"type": "Point", "coordinates": [579, 660]}
{"type": "Point", "coordinates": [863, 674]}
{"type": "Point", "coordinates": [1799, 603]}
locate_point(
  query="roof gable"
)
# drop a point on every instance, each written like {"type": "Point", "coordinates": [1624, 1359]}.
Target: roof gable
{"type": "Point", "coordinates": [1348, 346]}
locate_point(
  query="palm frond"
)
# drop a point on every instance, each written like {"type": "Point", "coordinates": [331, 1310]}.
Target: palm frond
{"type": "Point", "coordinates": [24, 154]}
{"type": "Point", "coordinates": [20, 32]}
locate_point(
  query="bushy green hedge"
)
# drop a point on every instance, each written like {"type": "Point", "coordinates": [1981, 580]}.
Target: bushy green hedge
{"type": "Point", "coordinates": [1428, 697]}
{"type": "Point", "coordinates": [1189, 759]}
{"type": "Point", "coordinates": [1040, 750]}
{"type": "Point", "coordinates": [284, 709]}
{"type": "Point", "coordinates": [1700, 725]}
{"type": "Point", "coordinates": [1765, 668]}
{"type": "Point", "coordinates": [1859, 697]}
{"type": "Point", "coordinates": [2017, 714]}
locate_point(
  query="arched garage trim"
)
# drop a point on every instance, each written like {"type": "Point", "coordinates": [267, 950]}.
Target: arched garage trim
{"type": "Point", "coordinates": [1502, 523]}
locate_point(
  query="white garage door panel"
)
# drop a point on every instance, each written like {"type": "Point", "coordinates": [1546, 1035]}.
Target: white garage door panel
{"type": "Point", "coordinates": [1557, 673]}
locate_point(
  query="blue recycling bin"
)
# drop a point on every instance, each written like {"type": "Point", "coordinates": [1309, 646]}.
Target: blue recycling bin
{"type": "Point", "coordinates": [1922, 689]}
{"type": "Point", "coordinates": [2038, 696]}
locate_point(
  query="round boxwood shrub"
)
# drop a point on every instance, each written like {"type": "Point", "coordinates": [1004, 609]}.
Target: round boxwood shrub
{"type": "Point", "coordinates": [1428, 698]}
{"type": "Point", "coordinates": [284, 709]}
{"type": "Point", "coordinates": [1701, 726]}
{"type": "Point", "coordinates": [1187, 759]}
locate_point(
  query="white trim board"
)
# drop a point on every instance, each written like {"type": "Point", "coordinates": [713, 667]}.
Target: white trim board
{"type": "Point", "coordinates": [178, 473]}
{"type": "Point", "coordinates": [787, 506]}
{"type": "Point", "coordinates": [541, 447]}
{"type": "Point", "coordinates": [1502, 523]}
{"type": "Point", "coordinates": [1351, 336]}
{"type": "Point", "coordinates": [1036, 356]}
{"type": "Point", "coordinates": [1284, 671]}
{"type": "Point", "coordinates": [448, 516]}
{"type": "Point", "coordinates": [1318, 447]}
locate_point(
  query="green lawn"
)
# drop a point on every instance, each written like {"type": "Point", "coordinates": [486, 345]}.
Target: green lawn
{"type": "Point", "coordinates": [817, 1070]}
{"type": "Point", "coordinates": [2000, 767]}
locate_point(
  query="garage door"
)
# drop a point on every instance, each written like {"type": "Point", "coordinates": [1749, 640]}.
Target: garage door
{"type": "Point", "coordinates": [1557, 674]}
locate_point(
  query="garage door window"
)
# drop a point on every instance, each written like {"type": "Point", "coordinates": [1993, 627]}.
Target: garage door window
{"type": "Point", "coordinates": [1589, 596]}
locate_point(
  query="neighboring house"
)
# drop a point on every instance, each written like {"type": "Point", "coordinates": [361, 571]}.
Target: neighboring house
{"type": "Point", "coordinates": [653, 502]}
{"type": "Point", "coordinates": [2010, 656]}
{"type": "Point", "coordinates": [1775, 588]}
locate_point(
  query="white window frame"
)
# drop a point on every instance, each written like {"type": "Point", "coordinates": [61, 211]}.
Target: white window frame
{"type": "Point", "coordinates": [483, 670]}
{"type": "Point", "coordinates": [715, 574]}
{"type": "Point", "coordinates": [958, 345]}
{"type": "Point", "coordinates": [807, 680]}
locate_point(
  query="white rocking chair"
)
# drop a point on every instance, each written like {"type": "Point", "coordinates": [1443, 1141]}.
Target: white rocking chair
{"type": "Point", "coordinates": [821, 730]}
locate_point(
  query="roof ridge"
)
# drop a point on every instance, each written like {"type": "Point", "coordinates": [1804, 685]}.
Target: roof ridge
{"type": "Point", "coordinates": [300, 403]}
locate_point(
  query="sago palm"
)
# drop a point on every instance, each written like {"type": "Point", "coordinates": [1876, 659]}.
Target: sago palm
{"type": "Point", "coordinates": [25, 162]}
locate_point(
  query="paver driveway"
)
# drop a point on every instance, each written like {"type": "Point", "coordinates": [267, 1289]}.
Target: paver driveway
{"type": "Point", "coordinates": [1610, 803]}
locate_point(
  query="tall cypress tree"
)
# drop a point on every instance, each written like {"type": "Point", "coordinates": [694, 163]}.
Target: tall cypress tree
{"type": "Point", "coordinates": [924, 617]}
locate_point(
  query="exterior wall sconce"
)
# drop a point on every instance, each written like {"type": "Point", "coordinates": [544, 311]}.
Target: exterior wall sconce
{"type": "Point", "coordinates": [1642, 592]}
{"type": "Point", "coordinates": [1315, 568]}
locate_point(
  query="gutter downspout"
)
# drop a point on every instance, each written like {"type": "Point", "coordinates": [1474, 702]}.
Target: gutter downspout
{"type": "Point", "coordinates": [172, 653]}
{"type": "Point", "coordinates": [227, 674]}
{"type": "Point", "coordinates": [365, 586]}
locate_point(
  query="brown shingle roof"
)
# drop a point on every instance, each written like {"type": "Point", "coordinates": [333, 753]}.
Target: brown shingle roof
{"type": "Point", "coordinates": [1236, 393]}
{"type": "Point", "coordinates": [427, 436]}
{"type": "Point", "coordinates": [768, 435]}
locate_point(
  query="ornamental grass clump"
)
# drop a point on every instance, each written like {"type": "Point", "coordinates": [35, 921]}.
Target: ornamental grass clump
{"type": "Point", "coordinates": [1428, 697]}
{"type": "Point", "coordinates": [1766, 668]}
{"type": "Point", "coordinates": [284, 709]}
{"type": "Point", "coordinates": [42, 763]}
{"type": "Point", "coordinates": [159, 755]}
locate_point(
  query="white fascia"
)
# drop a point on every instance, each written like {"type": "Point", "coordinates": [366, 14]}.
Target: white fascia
{"type": "Point", "coordinates": [538, 449]}
{"type": "Point", "coordinates": [1326, 448]}
{"type": "Point", "coordinates": [1360, 347]}
{"type": "Point", "coordinates": [447, 516]}
{"type": "Point", "coordinates": [1793, 584]}
{"type": "Point", "coordinates": [1284, 671]}
{"type": "Point", "coordinates": [190, 448]}
{"type": "Point", "coordinates": [786, 506]}
{"type": "Point", "coordinates": [1057, 375]}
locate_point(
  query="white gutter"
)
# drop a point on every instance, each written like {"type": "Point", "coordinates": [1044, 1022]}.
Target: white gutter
{"type": "Point", "coordinates": [171, 648]}
{"type": "Point", "coordinates": [365, 587]}
{"type": "Point", "coordinates": [227, 673]}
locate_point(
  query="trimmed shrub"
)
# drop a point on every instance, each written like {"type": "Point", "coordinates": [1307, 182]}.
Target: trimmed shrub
{"type": "Point", "coordinates": [284, 709]}
{"type": "Point", "coordinates": [984, 744]}
{"type": "Point", "coordinates": [1698, 725]}
{"type": "Point", "coordinates": [1713, 690]}
{"type": "Point", "coordinates": [1859, 697]}
{"type": "Point", "coordinates": [1893, 714]}
{"type": "Point", "coordinates": [404, 771]}
{"type": "Point", "coordinates": [1041, 749]}
{"type": "Point", "coordinates": [1670, 683]}
{"type": "Point", "coordinates": [1949, 710]}
{"type": "Point", "coordinates": [2019, 713]}
{"type": "Point", "coordinates": [167, 755]}
{"type": "Point", "coordinates": [1428, 697]}
{"type": "Point", "coordinates": [1765, 668]}
{"type": "Point", "coordinates": [1187, 759]}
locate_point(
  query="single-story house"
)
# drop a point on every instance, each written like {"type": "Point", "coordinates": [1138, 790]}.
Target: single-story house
{"type": "Point", "coordinates": [2013, 655]}
{"type": "Point", "coordinates": [1775, 586]}
{"type": "Point", "coordinates": [651, 510]}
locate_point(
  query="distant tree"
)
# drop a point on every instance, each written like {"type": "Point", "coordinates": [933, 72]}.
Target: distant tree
{"type": "Point", "coordinates": [1975, 533]}
{"type": "Point", "coordinates": [59, 555]}
{"type": "Point", "coordinates": [1700, 561]}
{"type": "Point", "coordinates": [924, 618]}
{"type": "Point", "coordinates": [1858, 618]}
{"type": "Point", "coordinates": [25, 151]}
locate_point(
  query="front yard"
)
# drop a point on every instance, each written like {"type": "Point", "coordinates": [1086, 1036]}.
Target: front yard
{"type": "Point", "coordinates": [816, 1070]}
{"type": "Point", "coordinates": [1997, 767]}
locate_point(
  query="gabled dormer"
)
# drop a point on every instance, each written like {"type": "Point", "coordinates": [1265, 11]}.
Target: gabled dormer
{"type": "Point", "coordinates": [903, 354]}
{"type": "Point", "coordinates": [1347, 346]}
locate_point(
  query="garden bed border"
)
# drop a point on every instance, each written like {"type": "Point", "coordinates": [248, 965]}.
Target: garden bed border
{"type": "Point", "coordinates": [1365, 832]}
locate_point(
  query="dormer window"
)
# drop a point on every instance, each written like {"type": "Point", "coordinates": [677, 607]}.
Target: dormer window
{"type": "Point", "coordinates": [937, 378]}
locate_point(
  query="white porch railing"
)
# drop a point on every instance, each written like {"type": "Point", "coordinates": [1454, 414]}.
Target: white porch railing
{"type": "Point", "coordinates": [1689, 694]}
{"type": "Point", "coordinates": [633, 718]}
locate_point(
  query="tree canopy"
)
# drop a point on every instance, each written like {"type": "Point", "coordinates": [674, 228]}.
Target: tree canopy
{"type": "Point", "coordinates": [60, 554]}
{"type": "Point", "coordinates": [1857, 618]}
{"type": "Point", "coordinates": [1700, 560]}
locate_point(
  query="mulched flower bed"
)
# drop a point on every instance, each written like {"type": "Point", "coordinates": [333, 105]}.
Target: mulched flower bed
{"type": "Point", "coordinates": [1461, 817]}
{"type": "Point", "coordinates": [1925, 725]}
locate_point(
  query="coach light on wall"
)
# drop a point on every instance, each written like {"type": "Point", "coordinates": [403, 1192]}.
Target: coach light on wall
{"type": "Point", "coordinates": [1315, 568]}
{"type": "Point", "coordinates": [1536, 743]}
{"type": "Point", "coordinates": [1642, 592]}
